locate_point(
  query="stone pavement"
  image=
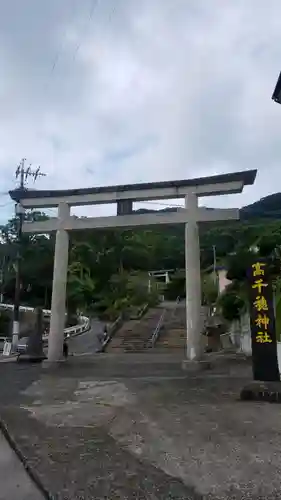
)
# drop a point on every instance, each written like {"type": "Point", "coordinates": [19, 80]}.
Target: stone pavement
{"type": "Point", "coordinates": [14, 481]}
{"type": "Point", "coordinates": [137, 427]}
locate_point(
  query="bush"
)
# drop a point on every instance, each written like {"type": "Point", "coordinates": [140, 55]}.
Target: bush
{"type": "Point", "coordinates": [231, 305]}
{"type": "Point", "coordinates": [176, 288]}
{"type": "Point", "coordinates": [209, 290]}
{"type": "Point", "coordinates": [238, 266]}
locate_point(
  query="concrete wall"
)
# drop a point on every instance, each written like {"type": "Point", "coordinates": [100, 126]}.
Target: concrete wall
{"type": "Point", "coordinates": [240, 334]}
{"type": "Point", "coordinates": [223, 281]}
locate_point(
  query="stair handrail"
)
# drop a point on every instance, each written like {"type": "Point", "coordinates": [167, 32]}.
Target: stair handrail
{"type": "Point", "coordinates": [159, 325]}
{"type": "Point", "coordinates": [156, 332]}
{"type": "Point", "coordinates": [178, 299]}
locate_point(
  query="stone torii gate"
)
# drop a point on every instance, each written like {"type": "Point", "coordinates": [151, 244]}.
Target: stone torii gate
{"type": "Point", "coordinates": [124, 196]}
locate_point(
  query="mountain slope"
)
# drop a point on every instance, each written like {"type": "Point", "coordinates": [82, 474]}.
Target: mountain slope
{"type": "Point", "coordinates": [267, 207]}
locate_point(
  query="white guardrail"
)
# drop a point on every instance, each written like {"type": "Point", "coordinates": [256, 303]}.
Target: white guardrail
{"type": "Point", "coordinates": [83, 321]}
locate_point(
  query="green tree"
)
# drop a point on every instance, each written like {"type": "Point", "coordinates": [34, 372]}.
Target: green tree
{"type": "Point", "coordinates": [231, 305]}
{"type": "Point", "coordinates": [80, 287]}
{"type": "Point", "coordinates": [176, 287]}
{"type": "Point", "coordinates": [209, 290]}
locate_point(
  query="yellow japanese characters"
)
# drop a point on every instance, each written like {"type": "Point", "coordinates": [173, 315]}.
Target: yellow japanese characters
{"type": "Point", "coordinates": [260, 304]}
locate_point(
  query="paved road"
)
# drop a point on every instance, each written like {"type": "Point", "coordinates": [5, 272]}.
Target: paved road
{"type": "Point", "coordinates": [14, 481]}
{"type": "Point", "coordinates": [87, 343]}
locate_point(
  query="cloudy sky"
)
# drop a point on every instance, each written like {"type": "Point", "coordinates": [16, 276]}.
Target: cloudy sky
{"type": "Point", "coordinates": [117, 91]}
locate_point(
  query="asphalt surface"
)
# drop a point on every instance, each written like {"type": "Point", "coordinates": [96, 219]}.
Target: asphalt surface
{"type": "Point", "coordinates": [88, 342]}
{"type": "Point", "coordinates": [137, 427]}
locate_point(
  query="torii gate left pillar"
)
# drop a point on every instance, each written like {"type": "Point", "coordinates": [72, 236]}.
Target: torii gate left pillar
{"type": "Point", "coordinates": [193, 282]}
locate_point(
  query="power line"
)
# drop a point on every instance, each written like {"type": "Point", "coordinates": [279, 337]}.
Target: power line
{"type": "Point", "coordinates": [6, 204]}
{"type": "Point", "coordinates": [94, 6]}
{"type": "Point", "coordinates": [60, 49]}
{"type": "Point", "coordinates": [58, 53]}
{"type": "Point", "coordinates": [164, 204]}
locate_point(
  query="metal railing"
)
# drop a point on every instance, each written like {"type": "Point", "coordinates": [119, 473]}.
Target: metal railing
{"type": "Point", "coordinates": [82, 326]}
{"type": "Point", "coordinates": [156, 332]}
{"type": "Point", "coordinates": [176, 306]}
{"type": "Point", "coordinates": [110, 333]}
{"type": "Point", "coordinates": [155, 335]}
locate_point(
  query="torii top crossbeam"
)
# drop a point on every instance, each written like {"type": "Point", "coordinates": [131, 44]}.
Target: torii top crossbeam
{"type": "Point", "coordinates": [204, 186]}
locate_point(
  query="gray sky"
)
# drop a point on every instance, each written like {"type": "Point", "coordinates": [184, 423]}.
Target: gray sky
{"type": "Point", "coordinates": [120, 91]}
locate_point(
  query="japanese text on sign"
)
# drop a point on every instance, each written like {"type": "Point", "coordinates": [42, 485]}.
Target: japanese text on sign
{"type": "Point", "coordinates": [262, 317]}
{"type": "Point", "coordinates": [262, 320]}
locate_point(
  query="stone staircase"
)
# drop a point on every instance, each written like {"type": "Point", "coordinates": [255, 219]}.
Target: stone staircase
{"type": "Point", "coordinates": [134, 335]}
{"type": "Point", "coordinates": [173, 340]}
{"type": "Point", "coordinates": [172, 336]}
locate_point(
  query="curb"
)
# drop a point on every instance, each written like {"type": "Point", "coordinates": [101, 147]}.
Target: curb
{"type": "Point", "coordinates": [32, 474]}
{"type": "Point", "coordinates": [8, 359]}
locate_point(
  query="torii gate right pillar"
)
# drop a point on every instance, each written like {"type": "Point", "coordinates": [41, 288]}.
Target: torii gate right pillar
{"type": "Point", "coordinates": [194, 348]}
{"type": "Point", "coordinates": [58, 309]}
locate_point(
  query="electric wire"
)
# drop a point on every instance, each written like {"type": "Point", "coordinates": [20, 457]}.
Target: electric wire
{"type": "Point", "coordinates": [60, 49]}
{"type": "Point", "coordinates": [93, 8]}
{"type": "Point", "coordinates": [170, 205]}
{"type": "Point", "coordinates": [9, 203]}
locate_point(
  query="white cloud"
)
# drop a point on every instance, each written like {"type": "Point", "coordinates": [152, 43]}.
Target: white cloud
{"type": "Point", "coordinates": [179, 89]}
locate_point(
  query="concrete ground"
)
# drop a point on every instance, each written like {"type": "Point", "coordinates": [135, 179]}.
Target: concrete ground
{"type": "Point", "coordinates": [15, 484]}
{"type": "Point", "coordinates": [137, 427]}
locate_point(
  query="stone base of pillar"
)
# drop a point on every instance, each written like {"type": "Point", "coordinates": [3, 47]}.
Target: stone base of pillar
{"type": "Point", "coordinates": [28, 358]}
{"type": "Point", "coordinates": [262, 391]}
{"type": "Point", "coordinates": [196, 366]}
{"type": "Point", "coordinates": [50, 365]}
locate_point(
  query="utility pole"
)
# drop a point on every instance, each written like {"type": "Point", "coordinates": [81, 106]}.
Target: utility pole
{"type": "Point", "coordinates": [23, 174]}
{"type": "Point", "coordinates": [2, 272]}
{"type": "Point", "coordinates": [215, 271]}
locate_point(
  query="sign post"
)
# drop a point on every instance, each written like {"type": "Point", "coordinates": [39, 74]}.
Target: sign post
{"type": "Point", "coordinates": [7, 348]}
{"type": "Point", "coordinates": [263, 330]}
